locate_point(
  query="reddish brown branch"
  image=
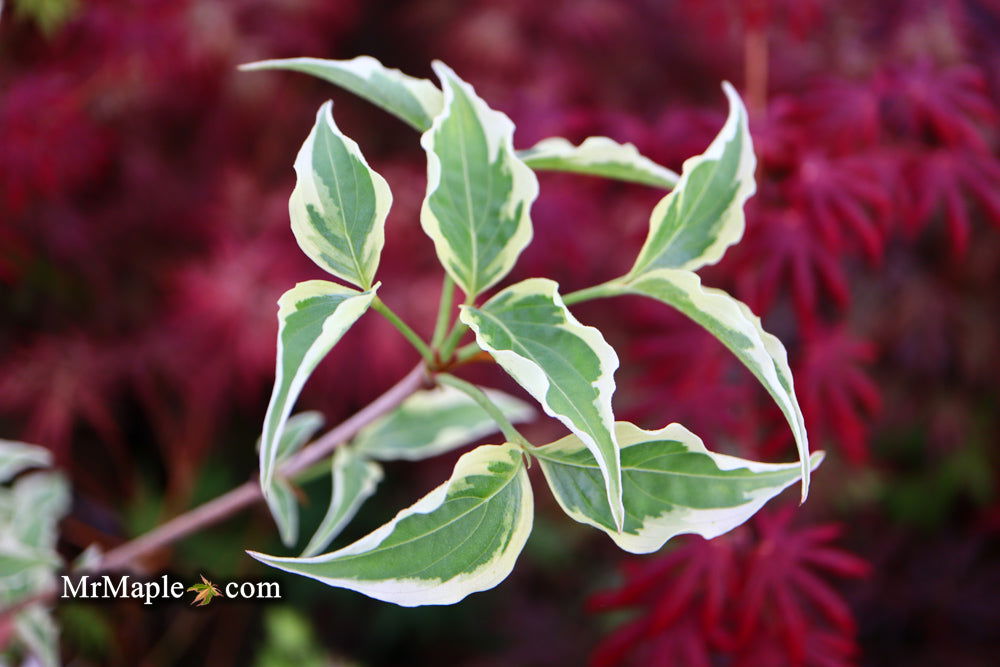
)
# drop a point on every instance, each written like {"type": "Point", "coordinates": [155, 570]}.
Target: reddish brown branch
{"type": "Point", "coordinates": [214, 511]}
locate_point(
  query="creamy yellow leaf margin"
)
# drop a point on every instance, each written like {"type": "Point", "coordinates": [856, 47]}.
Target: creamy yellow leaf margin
{"type": "Point", "coordinates": [411, 591]}
{"type": "Point", "coordinates": [537, 379]}
{"type": "Point", "coordinates": [412, 100]}
{"type": "Point", "coordinates": [353, 481]}
{"type": "Point", "coordinates": [598, 156]}
{"type": "Point", "coordinates": [735, 326]}
{"type": "Point", "coordinates": [496, 228]}
{"type": "Point", "coordinates": [434, 421]}
{"type": "Point", "coordinates": [339, 204]}
{"type": "Point", "coordinates": [327, 310]}
{"type": "Point", "coordinates": [688, 229]}
{"type": "Point", "coordinates": [678, 519]}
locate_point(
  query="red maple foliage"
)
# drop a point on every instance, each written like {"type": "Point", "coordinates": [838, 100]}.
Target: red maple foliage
{"type": "Point", "coordinates": [759, 594]}
{"type": "Point", "coordinates": [143, 236]}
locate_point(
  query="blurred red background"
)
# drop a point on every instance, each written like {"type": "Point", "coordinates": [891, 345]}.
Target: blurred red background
{"type": "Point", "coordinates": [144, 240]}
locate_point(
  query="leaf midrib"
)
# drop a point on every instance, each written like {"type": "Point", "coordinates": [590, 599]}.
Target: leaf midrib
{"type": "Point", "coordinates": [362, 277]}
{"type": "Point", "coordinates": [444, 525]}
{"type": "Point", "coordinates": [531, 357]}
{"type": "Point", "coordinates": [676, 203]}
{"type": "Point", "coordinates": [624, 468]}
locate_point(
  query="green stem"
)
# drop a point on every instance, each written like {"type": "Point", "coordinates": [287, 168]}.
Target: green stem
{"type": "Point", "coordinates": [480, 397]}
{"type": "Point", "coordinates": [444, 311]}
{"type": "Point", "coordinates": [602, 291]}
{"type": "Point", "coordinates": [451, 342]}
{"type": "Point", "coordinates": [404, 329]}
{"type": "Point", "coordinates": [466, 352]}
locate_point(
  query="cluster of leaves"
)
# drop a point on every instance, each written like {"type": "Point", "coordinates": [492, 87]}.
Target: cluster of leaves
{"type": "Point", "coordinates": [124, 176]}
{"type": "Point", "coordinates": [640, 487]}
{"type": "Point", "coordinates": [31, 504]}
{"type": "Point", "coordinates": [757, 595]}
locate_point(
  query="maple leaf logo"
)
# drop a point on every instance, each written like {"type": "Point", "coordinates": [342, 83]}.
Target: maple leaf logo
{"type": "Point", "coordinates": [206, 592]}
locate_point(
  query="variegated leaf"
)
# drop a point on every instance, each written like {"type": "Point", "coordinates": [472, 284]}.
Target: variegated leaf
{"type": "Point", "coordinates": [284, 507]}
{"type": "Point", "coordinates": [479, 193]}
{"type": "Point", "coordinates": [39, 501]}
{"type": "Point", "coordinates": [354, 481]}
{"type": "Point", "coordinates": [566, 366]}
{"type": "Point", "coordinates": [17, 558]}
{"type": "Point", "coordinates": [461, 538]}
{"type": "Point", "coordinates": [18, 456]}
{"type": "Point", "coordinates": [36, 630]}
{"type": "Point", "coordinates": [339, 204]}
{"type": "Point", "coordinates": [434, 421]}
{"type": "Point", "coordinates": [737, 328]}
{"type": "Point", "coordinates": [693, 225]}
{"type": "Point", "coordinates": [299, 429]}
{"type": "Point", "coordinates": [281, 501]}
{"type": "Point", "coordinates": [598, 156]}
{"type": "Point", "coordinates": [415, 101]}
{"type": "Point", "coordinates": [672, 485]}
{"type": "Point", "coordinates": [312, 317]}
{"type": "Point", "coordinates": [29, 513]}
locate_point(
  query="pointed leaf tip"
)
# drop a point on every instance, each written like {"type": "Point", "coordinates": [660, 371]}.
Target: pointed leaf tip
{"type": "Point", "coordinates": [598, 156]}
{"type": "Point", "coordinates": [739, 329]}
{"type": "Point", "coordinates": [413, 100]}
{"type": "Point", "coordinates": [312, 317]}
{"type": "Point", "coordinates": [479, 193]}
{"type": "Point", "coordinates": [694, 225]}
{"type": "Point", "coordinates": [339, 204]}
{"type": "Point", "coordinates": [671, 483]}
{"type": "Point", "coordinates": [461, 538]}
{"type": "Point", "coordinates": [567, 367]}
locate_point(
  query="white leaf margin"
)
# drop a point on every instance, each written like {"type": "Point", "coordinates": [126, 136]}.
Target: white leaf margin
{"type": "Point", "coordinates": [498, 130]}
{"type": "Point", "coordinates": [450, 437]}
{"type": "Point", "coordinates": [534, 380]}
{"type": "Point", "coordinates": [419, 592]}
{"type": "Point", "coordinates": [594, 152]}
{"type": "Point", "coordinates": [768, 352]}
{"type": "Point", "coordinates": [428, 95]}
{"type": "Point", "coordinates": [306, 192]}
{"type": "Point", "coordinates": [342, 509]}
{"type": "Point", "coordinates": [334, 327]}
{"type": "Point", "coordinates": [17, 456]}
{"type": "Point", "coordinates": [657, 531]}
{"type": "Point", "coordinates": [732, 231]}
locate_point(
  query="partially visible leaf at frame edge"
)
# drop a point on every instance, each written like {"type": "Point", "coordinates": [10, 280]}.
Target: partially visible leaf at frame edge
{"type": "Point", "coordinates": [598, 156]}
{"type": "Point", "coordinates": [40, 500]}
{"type": "Point", "coordinates": [353, 481]}
{"type": "Point", "coordinates": [461, 538]}
{"type": "Point", "coordinates": [37, 631]}
{"type": "Point", "coordinates": [479, 193]}
{"type": "Point", "coordinates": [339, 204]}
{"type": "Point", "coordinates": [312, 317]}
{"type": "Point", "coordinates": [18, 456]}
{"type": "Point", "coordinates": [567, 367]}
{"type": "Point", "coordinates": [736, 327]}
{"type": "Point", "coordinates": [694, 225]}
{"type": "Point", "coordinates": [16, 557]}
{"type": "Point", "coordinates": [412, 100]}
{"type": "Point", "coordinates": [435, 421]}
{"type": "Point", "coordinates": [672, 485]}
